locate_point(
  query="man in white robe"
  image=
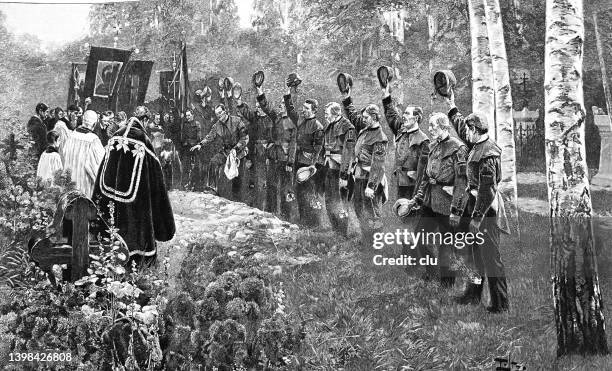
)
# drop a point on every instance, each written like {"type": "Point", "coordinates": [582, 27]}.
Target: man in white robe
{"type": "Point", "coordinates": [83, 154]}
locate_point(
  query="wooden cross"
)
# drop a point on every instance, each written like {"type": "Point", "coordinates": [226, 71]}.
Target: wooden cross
{"type": "Point", "coordinates": [55, 248]}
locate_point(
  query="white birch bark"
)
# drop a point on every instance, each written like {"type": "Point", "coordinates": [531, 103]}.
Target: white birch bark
{"type": "Point", "coordinates": [483, 98]}
{"type": "Point", "coordinates": [503, 110]}
{"type": "Point", "coordinates": [576, 292]}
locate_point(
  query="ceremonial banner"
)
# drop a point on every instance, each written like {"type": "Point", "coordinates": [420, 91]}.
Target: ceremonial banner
{"type": "Point", "coordinates": [76, 83]}
{"type": "Point", "coordinates": [168, 88]}
{"type": "Point", "coordinates": [133, 88]}
{"type": "Point", "coordinates": [181, 75]}
{"type": "Point", "coordinates": [105, 68]}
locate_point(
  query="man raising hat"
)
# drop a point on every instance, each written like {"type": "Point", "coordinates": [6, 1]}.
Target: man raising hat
{"type": "Point", "coordinates": [484, 208]}
{"type": "Point", "coordinates": [308, 155]}
{"type": "Point", "coordinates": [371, 188]}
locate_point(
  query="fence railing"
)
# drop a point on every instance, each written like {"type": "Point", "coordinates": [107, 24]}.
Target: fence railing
{"type": "Point", "coordinates": [529, 146]}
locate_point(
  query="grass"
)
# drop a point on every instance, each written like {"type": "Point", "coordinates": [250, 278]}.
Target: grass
{"type": "Point", "coordinates": [363, 317]}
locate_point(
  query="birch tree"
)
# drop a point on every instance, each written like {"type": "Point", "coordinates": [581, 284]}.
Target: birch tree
{"type": "Point", "coordinates": [504, 123]}
{"type": "Point", "coordinates": [576, 293]}
{"type": "Point", "coordinates": [483, 98]}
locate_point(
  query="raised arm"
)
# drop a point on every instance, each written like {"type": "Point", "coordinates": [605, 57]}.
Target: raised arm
{"type": "Point", "coordinates": [456, 118]}
{"type": "Point", "coordinates": [245, 111]}
{"type": "Point", "coordinates": [353, 115]}
{"type": "Point", "coordinates": [267, 108]}
{"type": "Point", "coordinates": [394, 119]}
{"type": "Point", "coordinates": [291, 111]}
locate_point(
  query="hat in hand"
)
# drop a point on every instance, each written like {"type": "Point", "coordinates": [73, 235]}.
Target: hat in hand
{"type": "Point", "coordinates": [305, 173]}
{"type": "Point", "coordinates": [258, 79]}
{"type": "Point", "coordinates": [293, 80]}
{"type": "Point", "coordinates": [444, 81]}
{"type": "Point", "coordinates": [237, 91]}
{"type": "Point", "coordinates": [345, 82]}
{"type": "Point", "coordinates": [402, 207]}
{"type": "Point", "coordinates": [203, 93]}
{"type": "Point", "coordinates": [385, 75]}
{"type": "Point", "coordinates": [228, 84]}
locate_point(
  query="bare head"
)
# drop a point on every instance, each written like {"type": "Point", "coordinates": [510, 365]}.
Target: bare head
{"type": "Point", "coordinates": [221, 112]}
{"type": "Point", "coordinates": [412, 117]}
{"type": "Point", "coordinates": [333, 111]}
{"type": "Point", "coordinates": [309, 108]}
{"type": "Point", "coordinates": [371, 114]}
{"type": "Point", "coordinates": [89, 119]}
{"type": "Point", "coordinates": [439, 126]}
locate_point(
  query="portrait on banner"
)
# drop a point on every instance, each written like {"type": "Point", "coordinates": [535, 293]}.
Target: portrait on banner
{"type": "Point", "coordinates": [107, 73]}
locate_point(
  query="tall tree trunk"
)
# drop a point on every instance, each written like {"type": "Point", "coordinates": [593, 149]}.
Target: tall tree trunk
{"type": "Point", "coordinates": [503, 110]}
{"type": "Point", "coordinates": [576, 293]}
{"type": "Point", "coordinates": [432, 27]}
{"type": "Point", "coordinates": [483, 98]}
{"type": "Point", "coordinates": [602, 64]}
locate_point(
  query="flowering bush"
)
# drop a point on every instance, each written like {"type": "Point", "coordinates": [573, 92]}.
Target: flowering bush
{"type": "Point", "coordinates": [106, 320]}
{"type": "Point", "coordinates": [26, 207]}
{"type": "Point", "coordinates": [231, 317]}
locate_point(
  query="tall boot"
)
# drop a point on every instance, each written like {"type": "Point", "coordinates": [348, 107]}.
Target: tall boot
{"type": "Point", "coordinates": [471, 295]}
{"type": "Point", "coordinates": [447, 277]}
{"type": "Point", "coordinates": [498, 290]}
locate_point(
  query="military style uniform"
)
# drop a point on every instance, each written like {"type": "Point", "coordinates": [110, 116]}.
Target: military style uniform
{"type": "Point", "coordinates": [205, 115]}
{"type": "Point", "coordinates": [280, 154]}
{"type": "Point", "coordinates": [228, 135]}
{"type": "Point", "coordinates": [369, 172]}
{"type": "Point", "coordinates": [189, 159]}
{"type": "Point", "coordinates": [411, 151]}
{"type": "Point", "coordinates": [441, 193]}
{"type": "Point", "coordinates": [486, 207]}
{"type": "Point", "coordinates": [259, 129]}
{"type": "Point", "coordinates": [309, 141]}
{"type": "Point", "coordinates": [339, 145]}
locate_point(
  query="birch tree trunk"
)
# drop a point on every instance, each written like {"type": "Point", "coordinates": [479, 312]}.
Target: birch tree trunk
{"type": "Point", "coordinates": [576, 294]}
{"type": "Point", "coordinates": [504, 123]}
{"type": "Point", "coordinates": [483, 99]}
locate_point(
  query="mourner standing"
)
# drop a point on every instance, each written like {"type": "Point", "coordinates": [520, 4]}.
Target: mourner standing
{"type": "Point", "coordinates": [371, 187]}
{"type": "Point", "coordinates": [308, 155]}
{"type": "Point", "coordinates": [131, 178]}
{"type": "Point", "coordinates": [191, 137]}
{"type": "Point", "coordinates": [441, 193]}
{"type": "Point", "coordinates": [411, 145]}
{"type": "Point", "coordinates": [205, 115]}
{"type": "Point", "coordinates": [484, 208]}
{"type": "Point", "coordinates": [83, 154]}
{"type": "Point", "coordinates": [231, 135]}
{"type": "Point", "coordinates": [281, 156]}
{"type": "Point", "coordinates": [38, 130]}
{"type": "Point", "coordinates": [259, 127]}
{"type": "Point", "coordinates": [339, 145]}
{"type": "Point", "coordinates": [50, 161]}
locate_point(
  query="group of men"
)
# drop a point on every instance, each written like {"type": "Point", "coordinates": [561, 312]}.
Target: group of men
{"type": "Point", "coordinates": [444, 183]}
{"type": "Point", "coordinates": [114, 163]}
{"type": "Point", "coordinates": [272, 155]}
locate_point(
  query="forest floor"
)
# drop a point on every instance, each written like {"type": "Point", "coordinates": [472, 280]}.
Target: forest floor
{"type": "Point", "coordinates": [365, 317]}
